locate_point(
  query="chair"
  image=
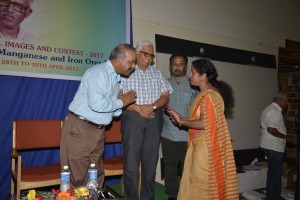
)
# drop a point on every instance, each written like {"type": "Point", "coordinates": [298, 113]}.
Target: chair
{"type": "Point", "coordinates": [34, 135]}
{"type": "Point", "coordinates": [114, 166]}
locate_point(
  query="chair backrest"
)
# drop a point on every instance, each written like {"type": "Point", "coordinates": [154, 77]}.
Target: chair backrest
{"type": "Point", "coordinates": [36, 133]}
{"type": "Point", "coordinates": [113, 133]}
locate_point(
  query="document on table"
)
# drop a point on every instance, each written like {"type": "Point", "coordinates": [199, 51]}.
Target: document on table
{"type": "Point", "coordinates": [253, 195]}
{"type": "Point", "coordinates": [251, 168]}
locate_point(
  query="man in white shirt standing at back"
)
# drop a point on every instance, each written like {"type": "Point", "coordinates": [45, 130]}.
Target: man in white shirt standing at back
{"type": "Point", "coordinates": [272, 142]}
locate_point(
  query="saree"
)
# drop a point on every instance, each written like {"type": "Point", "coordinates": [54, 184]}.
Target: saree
{"type": "Point", "coordinates": [209, 168]}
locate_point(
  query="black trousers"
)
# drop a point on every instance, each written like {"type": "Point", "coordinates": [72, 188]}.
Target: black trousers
{"type": "Point", "coordinates": [141, 138]}
{"type": "Point", "coordinates": [173, 155]}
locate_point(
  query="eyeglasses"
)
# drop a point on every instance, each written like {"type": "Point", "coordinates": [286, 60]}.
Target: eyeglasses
{"type": "Point", "coordinates": [148, 55]}
{"type": "Point", "coordinates": [17, 6]}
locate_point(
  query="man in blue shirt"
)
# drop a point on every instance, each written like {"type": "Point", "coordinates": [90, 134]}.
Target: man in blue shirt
{"type": "Point", "coordinates": [97, 100]}
{"type": "Point", "coordinates": [141, 123]}
{"type": "Point", "coordinates": [174, 138]}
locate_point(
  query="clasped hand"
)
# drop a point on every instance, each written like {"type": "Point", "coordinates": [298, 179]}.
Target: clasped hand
{"type": "Point", "coordinates": [146, 111]}
{"type": "Point", "coordinates": [127, 98]}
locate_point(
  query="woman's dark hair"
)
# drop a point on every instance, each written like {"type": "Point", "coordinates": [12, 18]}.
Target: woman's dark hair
{"type": "Point", "coordinates": [205, 66]}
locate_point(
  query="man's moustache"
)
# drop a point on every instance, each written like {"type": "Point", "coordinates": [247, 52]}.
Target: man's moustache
{"type": "Point", "coordinates": [176, 72]}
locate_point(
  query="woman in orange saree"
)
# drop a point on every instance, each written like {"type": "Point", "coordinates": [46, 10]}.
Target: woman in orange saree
{"type": "Point", "coordinates": [209, 168]}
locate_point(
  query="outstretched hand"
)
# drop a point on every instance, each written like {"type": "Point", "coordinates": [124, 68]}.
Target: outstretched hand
{"type": "Point", "coordinates": [175, 118]}
{"type": "Point", "coordinates": [127, 98]}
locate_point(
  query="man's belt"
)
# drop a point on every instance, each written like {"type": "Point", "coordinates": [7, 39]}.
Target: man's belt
{"type": "Point", "coordinates": [100, 126]}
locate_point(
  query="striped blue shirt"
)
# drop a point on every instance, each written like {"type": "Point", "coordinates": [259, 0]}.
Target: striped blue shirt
{"type": "Point", "coordinates": [149, 85]}
{"type": "Point", "coordinates": [97, 96]}
{"type": "Point", "coordinates": [180, 100]}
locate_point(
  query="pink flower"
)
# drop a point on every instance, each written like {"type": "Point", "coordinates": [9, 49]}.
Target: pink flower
{"type": "Point", "coordinates": [55, 191]}
{"type": "Point", "coordinates": [71, 191]}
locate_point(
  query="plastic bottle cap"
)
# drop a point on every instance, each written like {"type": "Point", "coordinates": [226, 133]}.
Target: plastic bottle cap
{"type": "Point", "coordinates": [93, 165]}
{"type": "Point", "coordinates": [66, 167]}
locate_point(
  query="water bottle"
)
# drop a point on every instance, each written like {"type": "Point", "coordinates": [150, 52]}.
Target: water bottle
{"type": "Point", "coordinates": [93, 181]}
{"type": "Point", "coordinates": [65, 179]}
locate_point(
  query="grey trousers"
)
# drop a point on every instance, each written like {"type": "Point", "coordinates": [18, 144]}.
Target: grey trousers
{"type": "Point", "coordinates": [80, 145]}
{"type": "Point", "coordinates": [141, 138]}
{"type": "Point", "coordinates": [173, 154]}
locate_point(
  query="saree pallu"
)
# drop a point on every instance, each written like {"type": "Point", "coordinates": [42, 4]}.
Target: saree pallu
{"type": "Point", "coordinates": [209, 168]}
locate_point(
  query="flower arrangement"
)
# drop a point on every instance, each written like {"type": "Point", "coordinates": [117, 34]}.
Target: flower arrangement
{"type": "Point", "coordinates": [81, 193]}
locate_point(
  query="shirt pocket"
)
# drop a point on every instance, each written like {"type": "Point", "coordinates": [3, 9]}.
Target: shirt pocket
{"type": "Point", "coordinates": [186, 97]}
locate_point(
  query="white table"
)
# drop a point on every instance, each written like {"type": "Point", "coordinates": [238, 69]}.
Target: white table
{"type": "Point", "coordinates": [251, 180]}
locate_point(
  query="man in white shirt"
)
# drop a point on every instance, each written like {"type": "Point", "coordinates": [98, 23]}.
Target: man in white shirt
{"type": "Point", "coordinates": [273, 137]}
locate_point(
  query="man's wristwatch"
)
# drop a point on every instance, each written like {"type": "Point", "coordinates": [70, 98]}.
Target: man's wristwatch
{"type": "Point", "coordinates": [154, 107]}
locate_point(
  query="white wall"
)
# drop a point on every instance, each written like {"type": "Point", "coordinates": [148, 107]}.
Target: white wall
{"type": "Point", "coordinates": [260, 26]}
